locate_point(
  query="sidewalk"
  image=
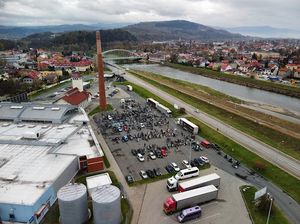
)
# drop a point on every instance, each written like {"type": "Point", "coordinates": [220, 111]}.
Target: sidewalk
{"type": "Point", "coordinates": [135, 195]}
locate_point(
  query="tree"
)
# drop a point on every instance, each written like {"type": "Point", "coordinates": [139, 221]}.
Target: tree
{"type": "Point", "coordinates": [254, 56]}
{"type": "Point", "coordinates": [174, 58]}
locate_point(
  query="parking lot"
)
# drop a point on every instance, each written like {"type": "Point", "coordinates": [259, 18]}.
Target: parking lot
{"type": "Point", "coordinates": [228, 208]}
{"type": "Point", "coordinates": [135, 128]}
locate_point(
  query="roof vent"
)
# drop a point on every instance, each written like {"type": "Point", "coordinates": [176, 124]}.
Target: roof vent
{"type": "Point", "coordinates": [16, 107]}
{"type": "Point", "coordinates": [38, 108]}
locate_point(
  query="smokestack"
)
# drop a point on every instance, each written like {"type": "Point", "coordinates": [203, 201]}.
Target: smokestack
{"type": "Point", "coordinates": [102, 97]}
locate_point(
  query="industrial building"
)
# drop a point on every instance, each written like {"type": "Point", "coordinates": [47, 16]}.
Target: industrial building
{"type": "Point", "coordinates": [41, 149]}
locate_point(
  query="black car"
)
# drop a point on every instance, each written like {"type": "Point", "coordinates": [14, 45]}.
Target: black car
{"type": "Point", "coordinates": [157, 172]}
{"type": "Point", "coordinates": [129, 179]}
{"type": "Point", "coordinates": [198, 162]}
{"type": "Point", "coordinates": [134, 152]}
{"type": "Point", "coordinates": [193, 163]}
{"type": "Point", "coordinates": [169, 168]}
{"type": "Point", "coordinates": [230, 160]}
{"type": "Point", "coordinates": [150, 173]}
{"type": "Point", "coordinates": [216, 146]}
{"type": "Point", "coordinates": [158, 154]}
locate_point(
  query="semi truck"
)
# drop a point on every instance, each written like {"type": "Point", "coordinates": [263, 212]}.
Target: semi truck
{"type": "Point", "coordinates": [190, 198]}
{"type": "Point", "coordinates": [172, 182]}
{"type": "Point", "coordinates": [210, 179]}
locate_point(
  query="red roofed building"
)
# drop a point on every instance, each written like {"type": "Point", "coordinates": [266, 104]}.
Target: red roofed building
{"type": "Point", "coordinates": [76, 98]}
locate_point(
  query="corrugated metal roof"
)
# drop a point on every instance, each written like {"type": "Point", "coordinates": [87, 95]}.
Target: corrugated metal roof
{"type": "Point", "coordinates": [71, 192]}
{"type": "Point", "coordinates": [106, 194]}
{"type": "Point", "coordinates": [34, 112]}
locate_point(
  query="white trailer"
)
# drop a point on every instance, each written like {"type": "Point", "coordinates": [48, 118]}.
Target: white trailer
{"type": "Point", "coordinates": [186, 124]}
{"type": "Point", "coordinates": [210, 179]}
{"type": "Point", "coordinates": [190, 198]}
{"type": "Point", "coordinates": [129, 88]}
{"type": "Point", "coordinates": [163, 109]}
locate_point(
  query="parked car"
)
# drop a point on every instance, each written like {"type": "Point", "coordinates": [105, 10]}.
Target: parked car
{"type": "Point", "coordinates": [152, 156]}
{"type": "Point", "coordinates": [150, 173]}
{"type": "Point", "coordinates": [129, 179]}
{"type": "Point", "coordinates": [198, 162]}
{"type": "Point", "coordinates": [109, 117]}
{"type": "Point", "coordinates": [158, 154]}
{"type": "Point", "coordinates": [215, 146]}
{"type": "Point", "coordinates": [204, 159]}
{"type": "Point", "coordinates": [143, 174]}
{"type": "Point", "coordinates": [157, 172]}
{"type": "Point", "coordinates": [163, 151]}
{"type": "Point", "coordinates": [186, 164]}
{"type": "Point", "coordinates": [140, 157]}
{"type": "Point", "coordinates": [134, 152]}
{"type": "Point", "coordinates": [125, 138]}
{"type": "Point", "coordinates": [169, 168]}
{"type": "Point", "coordinates": [125, 128]}
{"type": "Point", "coordinates": [175, 167]}
{"type": "Point", "coordinates": [230, 160]}
{"type": "Point", "coordinates": [193, 164]}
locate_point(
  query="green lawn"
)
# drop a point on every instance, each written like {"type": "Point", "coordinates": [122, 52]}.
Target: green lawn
{"type": "Point", "coordinates": [245, 81]}
{"type": "Point", "coordinates": [258, 216]}
{"type": "Point", "coordinates": [278, 140]}
{"type": "Point", "coordinates": [147, 94]}
{"type": "Point", "coordinates": [285, 181]}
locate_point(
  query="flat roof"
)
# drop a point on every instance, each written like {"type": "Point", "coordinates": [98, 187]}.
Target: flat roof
{"type": "Point", "coordinates": [201, 190]}
{"type": "Point", "coordinates": [31, 165]}
{"type": "Point", "coordinates": [98, 180]}
{"type": "Point", "coordinates": [28, 169]}
{"type": "Point", "coordinates": [200, 180]}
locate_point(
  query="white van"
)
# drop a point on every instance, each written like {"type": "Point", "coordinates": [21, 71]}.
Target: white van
{"type": "Point", "coordinates": [172, 183]}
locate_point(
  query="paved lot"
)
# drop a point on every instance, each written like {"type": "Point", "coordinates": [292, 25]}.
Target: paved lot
{"type": "Point", "coordinates": [229, 208]}
{"type": "Point", "coordinates": [167, 133]}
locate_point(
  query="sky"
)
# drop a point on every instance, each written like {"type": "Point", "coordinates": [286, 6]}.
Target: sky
{"type": "Point", "coordinates": [220, 13]}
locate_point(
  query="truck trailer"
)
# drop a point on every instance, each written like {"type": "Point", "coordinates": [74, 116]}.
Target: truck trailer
{"type": "Point", "coordinates": [210, 179]}
{"type": "Point", "coordinates": [190, 198]}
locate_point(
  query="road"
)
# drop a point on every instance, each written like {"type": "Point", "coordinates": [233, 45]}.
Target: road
{"type": "Point", "coordinates": [267, 152]}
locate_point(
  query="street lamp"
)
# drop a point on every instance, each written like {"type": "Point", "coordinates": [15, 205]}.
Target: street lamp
{"type": "Point", "coordinates": [269, 210]}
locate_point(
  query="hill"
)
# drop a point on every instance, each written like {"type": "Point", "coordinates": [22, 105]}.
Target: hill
{"type": "Point", "coordinates": [75, 40]}
{"type": "Point", "coordinates": [178, 29]}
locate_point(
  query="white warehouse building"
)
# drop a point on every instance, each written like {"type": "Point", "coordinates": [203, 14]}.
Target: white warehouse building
{"type": "Point", "coordinates": [39, 154]}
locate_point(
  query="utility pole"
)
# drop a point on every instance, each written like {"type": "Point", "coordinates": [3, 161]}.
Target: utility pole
{"type": "Point", "coordinates": [269, 213]}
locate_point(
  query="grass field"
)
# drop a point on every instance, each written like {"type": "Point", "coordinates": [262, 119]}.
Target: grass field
{"type": "Point", "coordinates": [147, 94]}
{"type": "Point", "coordinates": [259, 84]}
{"type": "Point", "coordinates": [285, 181]}
{"type": "Point", "coordinates": [258, 216]}
{"type": "Point", "coordinates": [278, 140]}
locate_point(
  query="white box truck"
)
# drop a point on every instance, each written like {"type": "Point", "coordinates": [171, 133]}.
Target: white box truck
{"type": "Point", "coordinates": [210, 179]}
{"type": "Point", "coordinates": [190, 198]}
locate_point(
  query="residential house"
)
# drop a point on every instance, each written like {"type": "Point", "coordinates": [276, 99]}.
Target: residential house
{"type": "Point", "coordinates": [76, 97]}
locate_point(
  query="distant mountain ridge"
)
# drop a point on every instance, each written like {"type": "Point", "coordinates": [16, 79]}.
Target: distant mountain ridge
{"type": "Point", "coordinates": [265, 31]}
{"type": "Point", "coordinates": [17, 32]}
{"type": "Point", "coordinates": [178, 29]}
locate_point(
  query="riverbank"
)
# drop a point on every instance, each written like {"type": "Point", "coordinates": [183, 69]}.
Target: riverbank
{"type": "Point", "coordinates": [188, 93]}
{"type": "Point", "coordinates": [244, 81]}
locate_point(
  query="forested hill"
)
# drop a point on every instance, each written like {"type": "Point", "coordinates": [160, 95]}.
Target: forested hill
{"type": "Point", "coordinates": [76, 40]}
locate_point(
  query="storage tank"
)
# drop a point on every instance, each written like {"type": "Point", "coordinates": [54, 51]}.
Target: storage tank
{"type": "Point", "coordinates": [72, 201]}
{"type": "Point", "coordinates": [107, 205]}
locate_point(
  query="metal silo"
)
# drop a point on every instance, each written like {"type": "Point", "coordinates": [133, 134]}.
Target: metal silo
{"type": "Point", "coordinates": [72, 201]}
{"type": "Point", "coordinates": [107, 205]}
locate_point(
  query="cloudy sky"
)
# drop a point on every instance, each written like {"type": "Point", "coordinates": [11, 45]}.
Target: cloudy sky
{"type": "Point", "coordinates": [222, 13]}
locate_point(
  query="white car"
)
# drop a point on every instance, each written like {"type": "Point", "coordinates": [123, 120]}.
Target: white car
{"type": "Point", "coordinates": [109, 117]}
{"type": "Point", "coordinates": [140, 157]}
{"type": "Point", "coordinates": [186, 164]}
{"type": "Point", "coordinates": [204, 159]}
{"type": "Point", "coordinates": [175, 167]}
{"type": "Point", "coordinates": [143, 174]}
{"type": "Point", "coordinates": [152, 156]}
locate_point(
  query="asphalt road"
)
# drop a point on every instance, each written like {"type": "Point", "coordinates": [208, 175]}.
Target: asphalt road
{"type": "Point", "coordinates": [289, 206]}
{"type": "Point", "coordinates": [267, 152]}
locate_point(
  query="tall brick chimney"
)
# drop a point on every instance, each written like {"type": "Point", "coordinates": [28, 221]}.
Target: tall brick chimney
{"type": "Point", "coordinates": [102, 97]}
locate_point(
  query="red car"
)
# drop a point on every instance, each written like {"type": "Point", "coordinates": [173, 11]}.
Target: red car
{"type": "Point", "coordinates": [205, 143]}
{"type": "Point", "coordinates": [163, 151]}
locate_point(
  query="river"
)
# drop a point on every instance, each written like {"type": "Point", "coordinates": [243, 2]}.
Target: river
{"type": "Point", "coordinates": [267, 101]}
